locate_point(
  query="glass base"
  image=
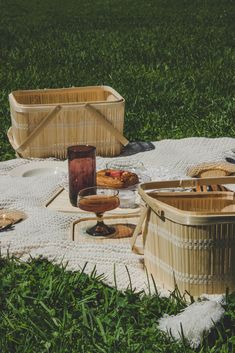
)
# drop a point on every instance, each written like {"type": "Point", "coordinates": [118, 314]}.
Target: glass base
{"type": "Point", "coordinates": [101, 230]}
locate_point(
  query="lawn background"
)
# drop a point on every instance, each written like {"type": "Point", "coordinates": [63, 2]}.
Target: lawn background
{"type": "Point", "coordinates": [173, 62]}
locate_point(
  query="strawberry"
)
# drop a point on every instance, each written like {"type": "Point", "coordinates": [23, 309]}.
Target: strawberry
{"type": "Point", "coordinates": [115, 173]}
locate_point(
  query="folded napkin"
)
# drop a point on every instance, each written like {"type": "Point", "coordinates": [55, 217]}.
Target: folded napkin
{"type": "Point", "coordinates": [193, 321]}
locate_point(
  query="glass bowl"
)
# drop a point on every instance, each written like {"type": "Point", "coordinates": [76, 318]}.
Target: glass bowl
{"type": "Point", "coordinates": [136, 167]}
{"type": "Point", "coordinates": [124, 164]}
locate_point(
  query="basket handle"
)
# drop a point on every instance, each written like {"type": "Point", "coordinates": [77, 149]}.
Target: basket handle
{"type": "Point", "coordinates": [103, 121]}
{"type": "Point", "coordinates": [10, 138]}
{"type": "Point", "coordinates": [138, 227]}
{"type": "Point", "coordinates": [35, 132]}
{"type": "Point", "coordinates": [151, 203]}
{"type": "Point", "coordinates": [183, 183]}
{"type": "Point", "coordinates": [12, 142]}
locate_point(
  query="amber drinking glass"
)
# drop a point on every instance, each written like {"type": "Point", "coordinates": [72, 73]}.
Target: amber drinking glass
{"type": "Point", "coordinates": [99, 200]}
{"type": "Point", "coordinates": [81, 169]}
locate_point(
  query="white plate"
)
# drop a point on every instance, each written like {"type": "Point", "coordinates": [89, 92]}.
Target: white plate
{"type": "Point", "coordinates": [44, 168]}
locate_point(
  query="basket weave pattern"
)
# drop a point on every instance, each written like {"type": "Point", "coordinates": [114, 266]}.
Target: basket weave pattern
{"type": "Point", "coordinates": [189, 240]}
{"type": "Point", "coordinates": [190, 256]}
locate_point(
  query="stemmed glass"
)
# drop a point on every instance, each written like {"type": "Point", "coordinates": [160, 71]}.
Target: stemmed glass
{"type": "Point", "coordinates": [99, 200]}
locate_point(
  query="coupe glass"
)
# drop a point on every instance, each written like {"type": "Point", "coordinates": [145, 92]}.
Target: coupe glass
{"type": "Point", "coordinates": [99, 200]}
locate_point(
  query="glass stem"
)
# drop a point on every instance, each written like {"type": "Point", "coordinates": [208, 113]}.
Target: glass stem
{"type": "Point", "coordinates": [99, 217]}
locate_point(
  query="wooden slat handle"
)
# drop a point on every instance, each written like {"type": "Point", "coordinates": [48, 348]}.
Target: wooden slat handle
{"type": "Point", "coordinates": [12, 142]}
{"type": "Point", "coordinates": [103, 121]}
{"type": "Point", "coordinates": [137, 230]}
{"type": "Point", "coordinates": [186, 183]}
{"type": "Point", "coordinates": [43, 123]}
{"type": "Point", "coordinates": [11, 139]}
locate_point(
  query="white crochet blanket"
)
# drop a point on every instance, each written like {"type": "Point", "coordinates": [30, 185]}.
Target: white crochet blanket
{"type": "Point", "coordinates": [45, 232]}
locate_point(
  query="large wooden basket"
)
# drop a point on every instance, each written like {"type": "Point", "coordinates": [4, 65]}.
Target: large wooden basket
{"type": "Point", "coordinates": [189, 237]}
{"type": "Point", "coordinates": [45, 122]}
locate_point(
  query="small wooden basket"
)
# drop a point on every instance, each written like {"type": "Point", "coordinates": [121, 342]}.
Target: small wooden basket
{"type": "Point", "coordinates": [189, 237]}
{"type": "Point", "coordinates": [45, 122]}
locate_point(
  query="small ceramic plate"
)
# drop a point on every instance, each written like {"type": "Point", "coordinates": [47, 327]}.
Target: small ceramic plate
{"type": "Point", "coordinates": [44, 168]}
{"type": "Point", "coordinates": [10, 217]}
{"type": "Point", "coordinates": [211, 170]}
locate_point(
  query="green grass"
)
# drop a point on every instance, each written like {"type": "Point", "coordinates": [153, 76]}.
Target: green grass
{"type": "Point", "coordinates": [173, 61]}
{"type": "Point", "coordinates": [45, 308]}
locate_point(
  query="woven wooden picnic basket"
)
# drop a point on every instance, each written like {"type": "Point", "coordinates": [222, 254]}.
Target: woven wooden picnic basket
{"type": "Point", "coordinates": [45, 122]}
{"type": "Point", "coordinates": [189, 237]}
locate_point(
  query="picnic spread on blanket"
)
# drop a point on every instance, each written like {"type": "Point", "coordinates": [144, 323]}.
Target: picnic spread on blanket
{"type": "Point", "coordinates": [158, 214]}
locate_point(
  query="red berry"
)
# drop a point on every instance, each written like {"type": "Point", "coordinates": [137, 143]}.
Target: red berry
{"type": "Point", "coordinates": [116, 173]}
